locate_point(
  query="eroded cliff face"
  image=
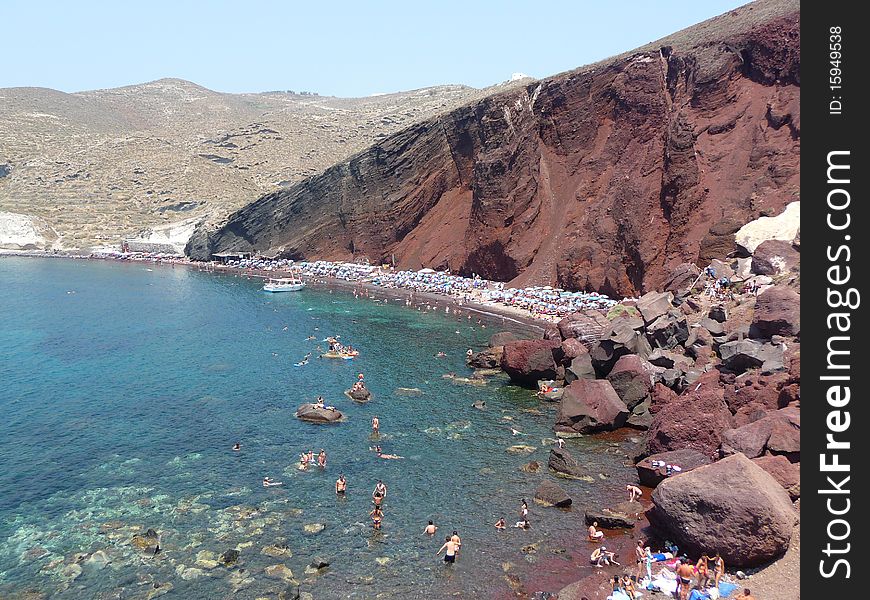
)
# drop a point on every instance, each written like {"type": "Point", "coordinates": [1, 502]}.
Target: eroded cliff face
{"type": "Point", "coordinates": [604, 178]}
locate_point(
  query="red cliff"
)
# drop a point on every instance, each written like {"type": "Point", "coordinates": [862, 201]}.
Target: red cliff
{"type": "Point", "coordinates": [604, 178]}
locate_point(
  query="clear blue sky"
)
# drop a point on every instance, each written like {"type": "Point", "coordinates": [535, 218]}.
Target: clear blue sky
{"type": "Point", "coordinates": [333, 48]}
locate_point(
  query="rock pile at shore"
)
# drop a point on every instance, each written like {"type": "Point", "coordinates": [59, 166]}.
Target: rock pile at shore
{"type": "Point", "coordinates": [714, 381]}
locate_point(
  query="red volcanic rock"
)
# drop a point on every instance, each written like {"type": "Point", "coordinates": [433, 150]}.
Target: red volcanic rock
{"type": "Point", "coordinates": [529, 361]}
{"type": "Point", "coordinates": [777, 312]}
{"type": "Point", "coordinates": [604, 178]}
{"type": "Point", "coordinates": [732, 506]}
{"type": "Point", "coordinates": [632, 379]}
{"type": "Point", "coordinates": [775, 257]}
{"type": "Point", "coordinates": [501, 338]}
{"type": "Point", "coordinates": [787, 473]}
{"type": "Point", "coordinates": [686, 459]}
{"type": "Point", "coordinates": [695, 419]}
{"type": "Point", "coordinates": [590, 405]}
{"type": "Point", "coordinates": [661, 396]}
{"type": "Point", "coordinates": [585, 325]}
{"type": "Point", "coordinates": [762, 390]}
{"type": "Point", "coordinates": [571, 349]}
{"type": "Point", "coordinates": [778, 432]}
{"type": "Point", "coordinates": [681, 278]}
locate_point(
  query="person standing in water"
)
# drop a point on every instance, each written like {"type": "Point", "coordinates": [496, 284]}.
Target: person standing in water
{"type": "Point", "coordinates": [431, 528]}
{"type": "Point", "coordinates": [377, 515]}
{"type": "Point", "coordinates": [376, 424]}
{"type": "Point", "coordinates": [321, 459]}
{"type": "Point", "coordinates": [341, 485]}
{"type": "Point", "coordinates": [450, 547]}
{"type": "Point", "coordinates": [456, 540]}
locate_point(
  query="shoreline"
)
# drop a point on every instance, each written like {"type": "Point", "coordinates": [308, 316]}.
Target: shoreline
{"type": "Point", "coordinates": [493, 313]}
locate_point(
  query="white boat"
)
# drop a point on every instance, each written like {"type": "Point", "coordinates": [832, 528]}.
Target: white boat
{"type": "Point", "coordinates": [283, 285]}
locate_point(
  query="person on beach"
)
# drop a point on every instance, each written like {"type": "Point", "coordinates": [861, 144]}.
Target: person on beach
{"type": "Point", "coordinates": [594, 534]}
{"type": "Point", "coordinates": [718, 568]}
{"type": "Point", "coordinates": [628, 587]}
{"type": "Point", "coordinates": [703, 571]}
{"type": "Point", "coordinates": [431, 528]}
{"type": "Point", "coordinates": [648, 560]}
{"type": "Point", "coordinates": [524, 524]}
{"type": "Point", "coordinates": [237, 447]}
{"type": "Point", "coordinates": [500, 524]}
{"type": "Point", "coordinates": [684, 578]}
{"type": "Point", "coordinates": [639, 558]}
{"type": "Point", "coordinates": [377, 515]}
{"type": "Point", "coordinates": [450, 547]}
{"type": "Point", "coordinates": [321, 459]}
{"type": "Point", "coordinates": [524, 511]}
{"type": "Point", "coordinates": [634, 492]}
{"type": "Point", "coordinates": [746, 595]}
{"type": "Point", "coordinates": [341, 485]}
{"type": "Point", "coordinates": [376, 424]}
{"type": "Point", "coordinates": [600, 557]}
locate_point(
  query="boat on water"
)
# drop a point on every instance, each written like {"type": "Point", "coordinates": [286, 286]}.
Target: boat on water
{"type": "Point", "coordinates": [291, 284]}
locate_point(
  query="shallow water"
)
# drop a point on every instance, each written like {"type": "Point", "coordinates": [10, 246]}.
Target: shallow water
{"type": "Point", "coordinates": [124, 387]}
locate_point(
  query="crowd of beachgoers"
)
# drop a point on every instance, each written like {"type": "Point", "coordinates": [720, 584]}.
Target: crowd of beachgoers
{"type": "Point", "coordinates": [541, 302]}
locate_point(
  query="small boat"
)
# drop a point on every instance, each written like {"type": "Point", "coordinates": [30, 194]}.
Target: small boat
{"type": "Point", "coordinates": [283, 285]}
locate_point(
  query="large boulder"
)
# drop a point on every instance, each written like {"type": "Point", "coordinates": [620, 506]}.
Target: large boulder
{"type": "Point", "coordinates": [550, 494]}
{"type": "Point", "coordinates": [486, 359]}
{"type": "Point", "coordinates": [668, 330]}
{"type": "Point", "coordinates": [624, 337]}
{"type": "Point", "coordinates": [695, 419]}
{"type": "Point", "coordinates": [572, 348]}
{"type": "Point", "coordinates": [778, 432]}
{"type": "Point", "coordinates": [787, 473]}
{"type": "Point", "coordinates": [733, 507]}
{"type": "Point", "coordinates": [652, 470]}
{"type": "Point", "coordinates": [563, 464]}
{"type": "Point", "coordinates": [632, 379]}
{"type": "Point", "coordinates": [775, 257]}
{"type": "Point", "coordinates": [585, 325]}
{"type": "Point", "coordinates": [580, 368]}
{"type": "Point", "coordinates": [652, 305]}
{"type": "Point", "coordinates": [781, 227]}
{"type": "Point", "coordinates": [681, 278]}
{"type": "Point", "coordinates": [359, 395]}
{"type": "Point", "coordinates": [741, 355]}
{"type": "Point", "coordinates": [590, 405]}
{"type": "Point", "coordinates": [762, 391]}
{"type": "Point", "coordinates": [777, 312]}
{"type": "Point", "coordinates": [314, 414]}
{"type": "Point", "coordinates": [529, 361]}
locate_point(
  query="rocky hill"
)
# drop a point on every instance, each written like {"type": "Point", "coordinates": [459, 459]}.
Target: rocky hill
{"type": "Point", "coordinates": [101, 165]}
{"type": "Point", "coordinates": [604, 178]}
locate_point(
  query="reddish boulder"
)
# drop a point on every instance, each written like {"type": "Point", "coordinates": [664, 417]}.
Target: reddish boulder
{"type": "Point", "coordinates": [775, 257]}
{"type": "Point", "coordinates": [732, 506]}
{"type": "Point", "coordinates": [529, 361]}
{"type": "Point", "coordinates": [777, 312]}
{"type": "Point", "coordinates": [778, 432]}
{"type": "Point", "coordinates": [571, 349]}
{"type": "Point", "coordinates": [632, 379]}
{"type": "Point", "coordinates": [695, 419]}
{"type": "Point", "coordinates": [563, 464]}
{"type": "Point", "coordinates": [762, 390]}
{"type": "Point", "coordinates": [653, 305]}
{"type": "Point", "coordinates": [590, 405]}
{"type": "Point", "coordinates": [585, 325]}
{"type": "Point", "coordinates": [660, 397]}
{"type": "Point", "coordinates": [681, 278]}
{"type": "Point", "coordinates": [651, 471]}
{"type": "Point", "coordinates": [787, 473]}
{"type": "Point", "coordinates": [550, 494]}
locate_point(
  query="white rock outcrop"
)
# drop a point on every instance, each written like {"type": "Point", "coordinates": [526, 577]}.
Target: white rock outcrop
{"type": "Point", "coordinates": [784, 227]}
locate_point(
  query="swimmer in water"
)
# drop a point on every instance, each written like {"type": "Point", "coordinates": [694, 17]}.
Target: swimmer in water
{"type": "Point", "coordinates": [321, 459]}
{"type": "Point", "coordinates": [341, 485]}
{"type": "Point", "coordinates": [237, 446]}
{"type": "Point", "coordinates": [377, 515]}
{"type": "Point", "coordinates": [376, 425]}
{"type": "Point", "coordinates": [500, 524]}
{"type": "Point", "coordinates": [431, 528]}
{"type": "Point", "coordinates": [450, 547]}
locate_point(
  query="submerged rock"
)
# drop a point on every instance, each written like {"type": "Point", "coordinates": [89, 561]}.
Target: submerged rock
{"type": "Point", "coordinates": [550, 494]}
{"type": "Point", "coordinates": [230, 557]}
{"type": "Point", "coordinates": [563, 464]}
{"type": "Point", "coordinates": [313, 528]}
{"type": "Point", "coordinates": [281, 572]}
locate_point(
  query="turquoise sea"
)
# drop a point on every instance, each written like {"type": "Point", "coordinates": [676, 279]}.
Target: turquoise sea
{"type": "Point", "coordinates": [124, 385]}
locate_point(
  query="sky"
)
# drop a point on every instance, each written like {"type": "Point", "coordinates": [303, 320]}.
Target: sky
{"type": "Point", "coordinates": [331, 48]}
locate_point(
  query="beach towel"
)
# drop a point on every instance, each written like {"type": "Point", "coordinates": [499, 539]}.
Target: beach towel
{"type": "Point", "coordinates": [725, 589]}
{"type": "Point", "coordinates": [620, 595]}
